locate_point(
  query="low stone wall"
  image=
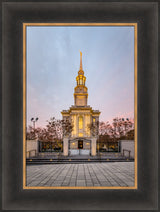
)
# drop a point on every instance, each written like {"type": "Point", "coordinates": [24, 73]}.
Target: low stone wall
{"type": "Point", "coordinates": [50, 154]}
{"type": "Point", "coordinates": [79, 152]}
{"type": "Point", "coordinates": [127, 145]}
{"type": "Point", "coordinates": [74, 152]}
{"type": "Point", "coordinates": [31, 148]}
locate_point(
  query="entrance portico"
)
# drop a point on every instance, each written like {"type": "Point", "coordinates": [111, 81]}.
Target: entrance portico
{"type": "Point", "coordinates": [80, 146]}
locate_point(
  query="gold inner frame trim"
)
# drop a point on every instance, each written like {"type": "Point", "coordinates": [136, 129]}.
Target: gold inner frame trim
{"type": "Point", "coordinates": [135, 25]}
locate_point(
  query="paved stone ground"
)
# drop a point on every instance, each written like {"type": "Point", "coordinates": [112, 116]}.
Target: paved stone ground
{"type": "Point", "coordinates": [87, 174]}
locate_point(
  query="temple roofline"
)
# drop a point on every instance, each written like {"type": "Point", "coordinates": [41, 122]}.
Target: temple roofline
{"type": "Point", "coordinates": [95, 112]}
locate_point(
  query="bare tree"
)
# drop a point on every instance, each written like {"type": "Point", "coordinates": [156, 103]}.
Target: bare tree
{"type": "Point", "coordinates": [109, 134]}
{"type": "Point", "coordinates": [67, 127]}
{"type": "Point", "coordinates": [94, 128]}
{"type": "Point", "coordinates": [121, 127]}
{"type": "Point", "coordinates": [33, 133]}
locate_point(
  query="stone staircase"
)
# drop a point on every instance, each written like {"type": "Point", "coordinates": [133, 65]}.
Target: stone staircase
{"type": "Point", "coordinates": [60, 159]}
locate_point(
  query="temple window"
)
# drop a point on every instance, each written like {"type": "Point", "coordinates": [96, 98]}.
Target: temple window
{"type": "Point", "coordinates": [80, 122]}
{"type": "Point", "coordinates": [81, 82]}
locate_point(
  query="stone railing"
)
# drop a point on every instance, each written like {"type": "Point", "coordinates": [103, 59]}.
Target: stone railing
{"type": "Point", "coordinates": [31, 153]}
{"type": "Point", "coordinates": [126, 150]}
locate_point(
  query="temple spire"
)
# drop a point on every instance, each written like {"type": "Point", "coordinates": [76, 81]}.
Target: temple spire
{"type": "Point", "coordinates": [81, 61]}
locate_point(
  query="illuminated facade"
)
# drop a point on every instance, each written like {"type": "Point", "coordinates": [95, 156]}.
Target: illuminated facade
{"type": "Point", "coordinates": [81, 141]}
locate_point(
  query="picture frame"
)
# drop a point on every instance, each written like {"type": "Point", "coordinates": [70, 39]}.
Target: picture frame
{"type": "Point", "coordinates": [17, 13]}
{"type": "Point", "coordinates": [25, 85]}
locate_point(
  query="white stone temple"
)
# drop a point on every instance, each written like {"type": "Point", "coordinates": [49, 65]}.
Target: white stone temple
{"type": "Point", "coordinates": [81, 141]}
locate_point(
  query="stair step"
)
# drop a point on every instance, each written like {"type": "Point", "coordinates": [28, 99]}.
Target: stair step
{"type": "Point", "coordinates": [66, 161]}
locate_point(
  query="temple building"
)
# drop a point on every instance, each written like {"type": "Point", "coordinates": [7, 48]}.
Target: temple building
{"type": "Point", "coordinates": [82, 140]}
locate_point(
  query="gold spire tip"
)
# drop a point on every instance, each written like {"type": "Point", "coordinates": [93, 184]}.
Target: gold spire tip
{"type": "Point", "coordinates": [80, 60]}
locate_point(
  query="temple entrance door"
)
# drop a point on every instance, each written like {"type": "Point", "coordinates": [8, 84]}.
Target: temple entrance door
{"type": "Point", "coordinates": [80, 144]}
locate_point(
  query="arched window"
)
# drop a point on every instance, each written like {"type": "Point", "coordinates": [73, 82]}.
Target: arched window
{"type": "Point", "coordinates": [80, 122]}
{"type": "Point", "coordinates": [81, 82]}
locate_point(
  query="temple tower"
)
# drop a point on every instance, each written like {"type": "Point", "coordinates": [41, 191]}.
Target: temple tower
{"type": "Point", "coordinates": [82, 141]}
{"type": "Point", "coordinates": [80, 91]}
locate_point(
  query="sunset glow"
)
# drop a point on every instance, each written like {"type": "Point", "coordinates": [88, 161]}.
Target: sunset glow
{"type": "Point", "coordinates": [53, 63]}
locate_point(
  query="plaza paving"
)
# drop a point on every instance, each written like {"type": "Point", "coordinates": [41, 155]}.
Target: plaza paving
{"type": "Point", "coordinates": [119, 174]}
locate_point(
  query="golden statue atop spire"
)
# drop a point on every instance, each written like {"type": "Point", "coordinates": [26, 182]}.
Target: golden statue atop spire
{"type": "Point", "coordinates": [81, 61]}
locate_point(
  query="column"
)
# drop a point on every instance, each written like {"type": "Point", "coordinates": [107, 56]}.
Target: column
{"type": "Point", "coordinates": [65, 146]}
{"type": "Point", "coordinates": [93, 146]}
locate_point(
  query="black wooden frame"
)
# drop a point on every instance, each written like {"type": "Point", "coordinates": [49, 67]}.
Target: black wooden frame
{"type": "Point", "coordinates": [13, 16]}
